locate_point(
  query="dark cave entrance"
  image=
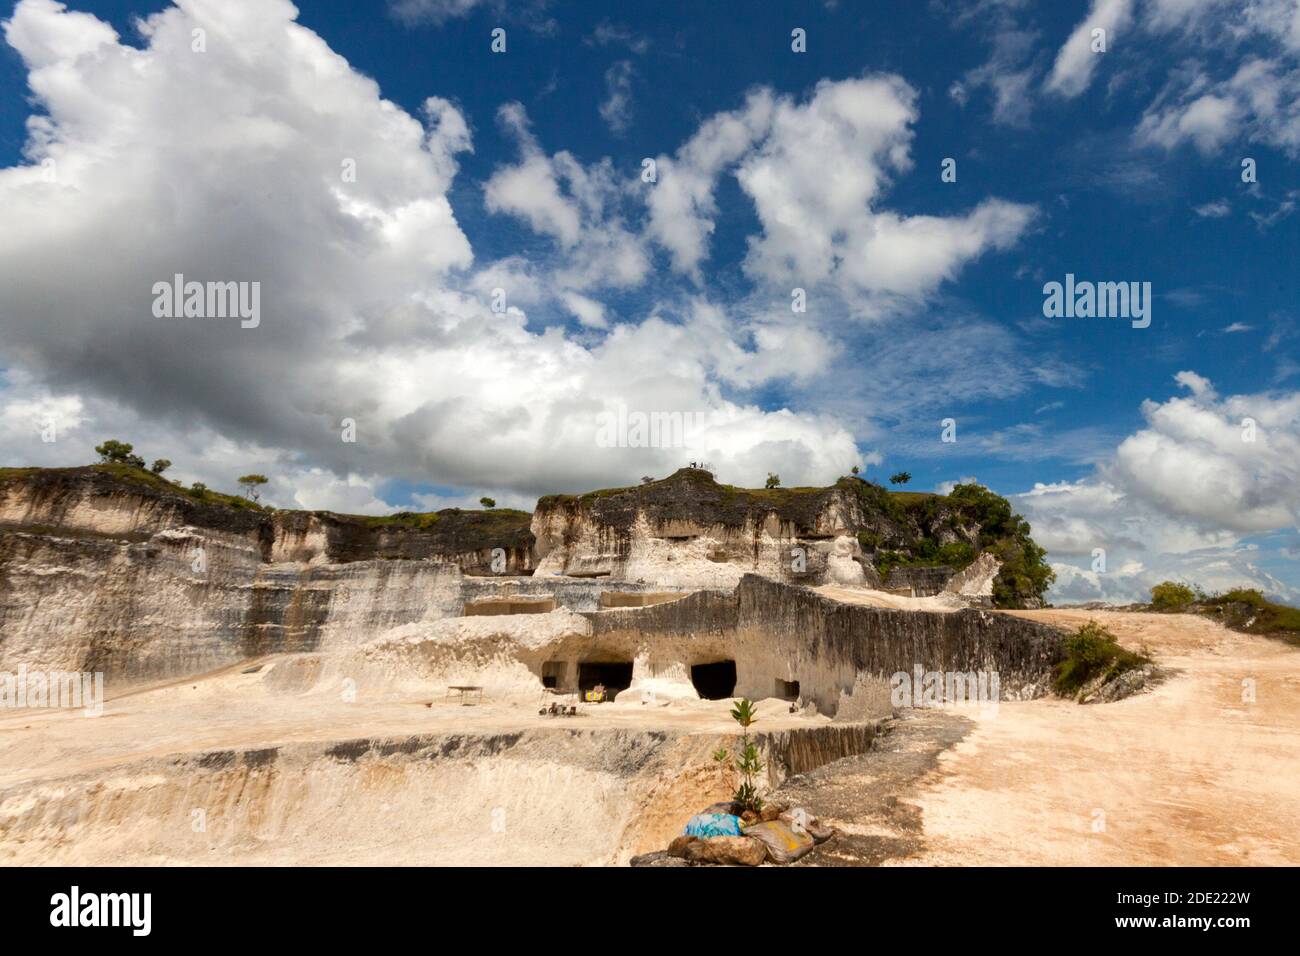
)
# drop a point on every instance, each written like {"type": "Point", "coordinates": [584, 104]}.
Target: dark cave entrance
{"type": "Point", "coordinates": [716, 681]}
{"type": "Point", "coordinates": [615, 675]}
{"type": "Point", "coordinates": [787, 689]}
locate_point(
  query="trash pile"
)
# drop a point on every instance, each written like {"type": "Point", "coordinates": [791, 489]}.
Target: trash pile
{"type": "Point", "coordinates": [722, 835]}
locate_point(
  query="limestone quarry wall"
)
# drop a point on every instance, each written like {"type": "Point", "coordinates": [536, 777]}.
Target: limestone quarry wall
{"type": "Point", "coordinates": [834, 651]}
{"type": "Point", "coordinates": [922, 582]}
{"type": "Point", "coordinates": [183, 601]}
{"type": "Point", "coordinates": [539, 797]}
{"type": "Point", "coordinates": [98, 576]}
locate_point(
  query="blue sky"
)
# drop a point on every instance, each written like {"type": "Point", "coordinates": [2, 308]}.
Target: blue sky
{"type": "Point", "coordinates": [1122, 165]}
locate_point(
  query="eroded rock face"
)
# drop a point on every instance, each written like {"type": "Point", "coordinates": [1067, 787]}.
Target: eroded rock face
{"type": "Point", "coordinates": [833, 651]}
{"type": "Point", "coordinates": [975, 583]}
{"type": "Point", "coordinates": [139, 580]}
{"type": "Point", "coordinates": [142, 581]}
{"type": "Point", "coordinates": [89, 501]}
{"type": "Point", "coordinates": [689, 531]}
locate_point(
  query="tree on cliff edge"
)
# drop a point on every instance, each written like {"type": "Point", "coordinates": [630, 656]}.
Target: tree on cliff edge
{"type": "Point", "coordinates": [250, 485]}
{"type": "Point", "coordinates": [114, 452]}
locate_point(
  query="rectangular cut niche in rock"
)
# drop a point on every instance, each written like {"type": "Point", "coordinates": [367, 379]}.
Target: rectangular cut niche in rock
{"type": "Point", "coordinates": [512, 605]}
{"type": "Point", "coordinates": [615, 675]}
{"type": "Point", "coordinates": [715, 681]}
{"type": "Point", "coordinates": [787, 689]}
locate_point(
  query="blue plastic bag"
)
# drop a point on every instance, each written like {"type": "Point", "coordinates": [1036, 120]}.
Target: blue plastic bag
{"type": "Point", "coordinates": [707, 825]}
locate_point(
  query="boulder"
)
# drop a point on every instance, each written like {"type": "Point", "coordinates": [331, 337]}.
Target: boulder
{"type": "Point", "coordinates": [1107, 688]}
{"type": "Point", "coordinates": [727, 851]}
{"type": "Point", "coordinates": [678, 846]}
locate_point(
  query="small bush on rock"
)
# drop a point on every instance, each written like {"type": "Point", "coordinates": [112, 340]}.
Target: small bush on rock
{"type": "Point", "coordinates": [1091, 652]}
{"type": "Point", "coordinates": [1169, 596]}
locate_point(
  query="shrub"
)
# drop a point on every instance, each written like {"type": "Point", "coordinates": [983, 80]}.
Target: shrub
{"type": "Point", "coordinates": [114, 452]}
{"type": "Point", "coordinates": [773, 481]}
{"type": "Point", "coordinates": [1170, 596]}
{"type": "Point", "coordinates": [1091, 652]}
{"type": "Point", "coordinates": [1246, 609]}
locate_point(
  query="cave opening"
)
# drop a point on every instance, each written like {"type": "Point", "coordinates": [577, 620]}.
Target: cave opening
{"type": "Point", "coordinates": [787, 689]}
{"type": "Point", "coordinates": [615, 675]}
{"type": "Point", "coordinates": [716, 681]}
{"type": "Point", "coordinates": [552, 674]}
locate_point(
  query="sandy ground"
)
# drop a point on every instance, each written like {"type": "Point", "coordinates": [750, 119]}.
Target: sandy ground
{"type": "Point", "coordinates": [1188, 774]}
{"type": "Point", "coordinates": [228, 709]}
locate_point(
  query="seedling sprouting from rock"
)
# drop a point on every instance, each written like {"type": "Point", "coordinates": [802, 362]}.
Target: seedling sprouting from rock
{"type": "Point", "coordinates": [748, 763]}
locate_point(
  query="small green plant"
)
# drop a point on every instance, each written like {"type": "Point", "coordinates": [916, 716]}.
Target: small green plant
{"type": "Point", "coordinates": [773, 481]}
{"type": "Point", "coordinates": [160, 465]}
{"type": "Point", "coordinates": [900, 477]}
{"type": "Point", "coordinates": [1091, 652]}
{"type": "Point", "coordinates": [748, 763]}
{"type": "Point", "coordinates": [1170, 596]}
{"type": "Point", "coordinates": [854, 470]}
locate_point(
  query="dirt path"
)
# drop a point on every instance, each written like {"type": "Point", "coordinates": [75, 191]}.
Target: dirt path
{"type": "Point", "coordinates": [1193, 773]}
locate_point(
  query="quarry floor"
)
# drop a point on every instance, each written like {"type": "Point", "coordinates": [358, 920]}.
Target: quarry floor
{"type": "Point", "coordinates": [1190, 773]}
{"type": "Point", "coordinates": [231, 710]}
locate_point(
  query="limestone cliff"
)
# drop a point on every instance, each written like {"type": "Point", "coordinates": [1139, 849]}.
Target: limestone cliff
{"type": "Point", "coordinates": [115, 570]}
{"type": "Point", "coordinates": [689, 530]}
{"type": "Point", "coordinates": [110, 568]}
